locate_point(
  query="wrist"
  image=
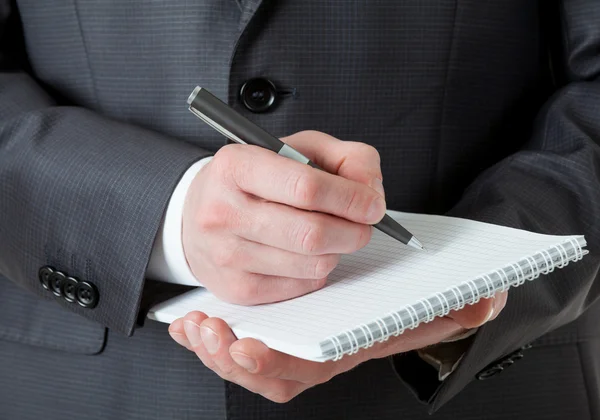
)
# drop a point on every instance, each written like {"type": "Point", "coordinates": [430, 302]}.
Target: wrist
{"type": "Point", "coordinates": [168, 262]}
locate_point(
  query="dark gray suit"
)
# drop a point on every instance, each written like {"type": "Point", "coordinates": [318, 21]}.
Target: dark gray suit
{"type": "Point", "coordinates": [479, 109]}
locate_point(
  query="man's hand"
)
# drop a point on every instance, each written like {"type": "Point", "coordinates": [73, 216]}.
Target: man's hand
{"type": "Point", "coordinates": [280, 377]}
{"type": "Point", "coordinates": [259, 227]}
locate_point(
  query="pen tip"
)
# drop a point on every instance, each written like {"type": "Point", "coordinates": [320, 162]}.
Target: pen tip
{"type": "Point", "coordinates": [415, 243]}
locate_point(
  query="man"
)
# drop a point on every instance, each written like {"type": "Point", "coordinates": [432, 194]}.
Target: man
{"type": "Point", "coordinates": [481, 110]}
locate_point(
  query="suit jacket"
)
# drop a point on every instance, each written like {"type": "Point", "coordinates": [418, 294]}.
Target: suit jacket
{"type": "Point", "coordinates": [486, 110]}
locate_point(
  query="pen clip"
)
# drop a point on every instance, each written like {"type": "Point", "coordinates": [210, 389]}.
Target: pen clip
{"type": "Point", "coordinates": [216, 126]}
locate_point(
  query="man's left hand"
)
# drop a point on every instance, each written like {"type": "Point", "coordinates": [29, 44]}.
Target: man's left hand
{"type": "Point", "coordinates": [281, 377]}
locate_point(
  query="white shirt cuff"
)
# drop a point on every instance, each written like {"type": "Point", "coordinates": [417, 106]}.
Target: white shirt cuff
{"type": "Point", "coordinates": [167, 260]}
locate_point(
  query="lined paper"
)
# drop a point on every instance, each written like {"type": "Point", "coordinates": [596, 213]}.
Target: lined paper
{"type": "Point", "coordinates": [372, 282]}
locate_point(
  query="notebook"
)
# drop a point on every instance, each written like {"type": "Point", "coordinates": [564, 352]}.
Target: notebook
{"type": "Point", "coordinates": [387, 288]}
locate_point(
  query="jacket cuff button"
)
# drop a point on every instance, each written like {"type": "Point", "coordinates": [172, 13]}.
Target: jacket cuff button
{"type": "Point", "coordinates": [86, 294]}
{"type": "Point", "coordinates": [44, 276]}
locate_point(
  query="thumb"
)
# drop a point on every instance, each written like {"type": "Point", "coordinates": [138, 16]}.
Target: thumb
{"type": "Point", "coordinates": [355, 161]}
{"type": "Point", "coordinates": [472, 316]}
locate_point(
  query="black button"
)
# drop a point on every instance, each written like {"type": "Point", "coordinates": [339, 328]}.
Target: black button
{"type": "Point", "coordinates": [86, 294]}
{"type": "Point", "coordinates": [506, 363]}
{"type": "Point", "coordinates": [56, 280]}
{"type": "Point", "coordinates": [258, 95]}
{"type": "Point", "coordinates": [68, 289]}
{"type": "Point", "coordinates": [44, 276]}
{"type": "Point", "coordinates": [488, 373]}
{"type": "Point", "coordinates": [502, 364]}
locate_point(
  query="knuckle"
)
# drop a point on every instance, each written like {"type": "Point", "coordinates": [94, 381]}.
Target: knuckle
{"type": "Point", "coordinates": [370, 151]}
{"type": "Point", "coordinates": [364, 150]}
{"type": "Point", "coordinates": [363, 237]}
{"type": "Point", "coordinates": [210, 364]}
{"type": "Point", "coordinates": [312, 238]}
{"type": "Point", "coordinates": [353, 201]}
{"type": "Point", "coordinates": [223, 160]}
{"type": "Point", "coordinates": [325, 265]}
{"type": "Point", "coordinates": [229, 165]}
{"type": "Point", "coordinates": [324, 376]}
{"type": "Point", "coordinates": [228, 370]}
{"type": "Point", "coordinates": [213, 367]}
{"type": "Point", "coordinates": [309, 134]}
{"type": "Point", "coordinates": [303, 188]}
{"type": "Point", "coordinates": [243, 293]}
{"type": "Point", "coordinates": [213, 216]}
{"type": "Point", "coordinates": [226, 156]}
{"type": "Point", "coordinates": [280, 395]}
{"type": "Point", "coordinates": [226, 374]}
{"type": "Point", "coordinates": [272, 371]}
{"type": "Point", "coordinates": [225, 256]}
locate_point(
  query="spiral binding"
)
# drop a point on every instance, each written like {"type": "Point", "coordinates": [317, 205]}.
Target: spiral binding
{"type": "Point", "coordinates": [457, 297]}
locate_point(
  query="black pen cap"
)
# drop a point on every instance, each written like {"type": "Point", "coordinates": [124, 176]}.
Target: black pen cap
{"type": "Point", "coordinates": [228, 122]}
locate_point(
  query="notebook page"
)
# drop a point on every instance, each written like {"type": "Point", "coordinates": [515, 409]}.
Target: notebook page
{"type": "Point", "coordinates": [382, 277]}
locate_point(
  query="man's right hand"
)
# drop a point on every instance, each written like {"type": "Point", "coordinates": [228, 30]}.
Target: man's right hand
{"type": "Point", "coordinates": [259, 227]}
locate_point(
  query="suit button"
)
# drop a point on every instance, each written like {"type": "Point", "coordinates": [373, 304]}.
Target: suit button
{"type": "Point", "coordinates": [69, 286]}
{"type": "Point", "coordinates": [44, 276]}
{"type": "Point", "coordinates": [86, 294]}
{"type": "Point", "coordinates": [488, 373]}
{"type": "Point", "coordinates": [258, 95]}
{"type": "Point", "coordinates": [502, 364]}
{"type": "Point", "coordinates": [55, 282]}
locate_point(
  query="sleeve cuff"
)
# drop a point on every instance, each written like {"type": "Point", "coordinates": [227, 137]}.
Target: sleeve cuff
{"type": "Point", "coordinates": [424, 371]}
{"type": "Point", "coordinates": [446, 356]}
{"type": "Point", "coordinates": [167, 261]}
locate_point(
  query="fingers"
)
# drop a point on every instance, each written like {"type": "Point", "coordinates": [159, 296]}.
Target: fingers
{"type": "Point", "coordinates": [426, 334]}
{"type": "Point", "coordinates": [278, 376]}
{"type": "Point", "coordinates": [257, 258]}
{"type": "Point", "coordinates": [261, 360]}
{"type": "Point", "coordinates": [473, 316]}
{"type": "Point", "coordinates": [211, 339]}
{"type": "Point", "coordinates": [255, 289]}
{"type": "Point", "coordinates": [282, 180]}
{"type": "Point", "coordinates": [359, 162]}
{"type": "Point", "coordinates": [299, 231]}
{"type": "Point", "coordinates": [499, 304]}
{"type": "Point", "coordinates": [177, 333]}
{"type": "Point", "coordinates": [271, 363]}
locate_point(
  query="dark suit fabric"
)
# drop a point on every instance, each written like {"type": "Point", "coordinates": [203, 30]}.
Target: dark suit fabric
{"type": "Point", "coordinates": [479, 109]}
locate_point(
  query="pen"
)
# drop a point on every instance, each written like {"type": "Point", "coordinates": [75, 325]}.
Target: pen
{"type": "Point", "coordinates": [236, 127]}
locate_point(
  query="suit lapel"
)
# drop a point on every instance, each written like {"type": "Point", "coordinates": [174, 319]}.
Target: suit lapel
{"type": "Point", "coordinates": [249, 8]}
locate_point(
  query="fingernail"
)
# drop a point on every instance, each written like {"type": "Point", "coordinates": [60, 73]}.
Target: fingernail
{"type": "Point", "coordinates": [496, 305]}
{"type": "Point", "coordinates": [210, 340]}
{"type": "Point", "coordinates": [491, 313]}
{"type": "Point", "coordinates": [376, 211]}
{"type": "Point", "coordinates": [244, 361]}
{"type": "Point", "coordinates": [192, 330]}
{"type": "Point", "coordinates": [377, 185]}
{"type": "Point", "coordinates": [178, 338]}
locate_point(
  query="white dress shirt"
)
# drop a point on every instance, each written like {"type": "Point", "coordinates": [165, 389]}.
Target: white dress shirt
{"type": "Point", "coordinates": [167, 260]}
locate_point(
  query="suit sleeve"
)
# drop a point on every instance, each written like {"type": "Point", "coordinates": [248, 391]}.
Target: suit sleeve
{"type": "Point", "coordinates": [552, 185]}
{"type": "Point", "coordinates": [79, 193]}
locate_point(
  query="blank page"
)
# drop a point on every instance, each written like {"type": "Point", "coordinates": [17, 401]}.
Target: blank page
{"type": "Point", "coordinates": [383, 277]}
